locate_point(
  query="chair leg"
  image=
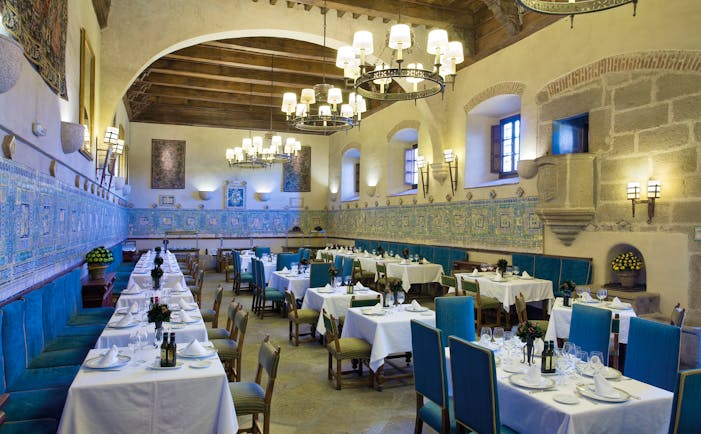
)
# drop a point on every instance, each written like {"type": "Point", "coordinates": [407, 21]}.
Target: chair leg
{"type": "Point", "coordinates": [418, 424]}
{"type": "Point", "coordinates": [296, 335]}
{"type": "Point", "coordinates": [266, 423]}
{"type": "Point", "coordinates": [290, 333]}
{"type": "Point", "coordinates": [339, 366]}
{"type": "Point", "coordinates": [329, 370]}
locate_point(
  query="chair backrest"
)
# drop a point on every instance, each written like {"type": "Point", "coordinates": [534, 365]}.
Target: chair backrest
{"type": "Point", "coordinates": [331, 330]}
{"type": "Point", "coordinates": [614, 351]}
{"type": "Point", "coordinates": [590, 328]}
{"type": "Point", "coordinates": [338, 263]}
{"type": "Point", "coordinates": [521, 313]}
{"type": "Point", "coordinates": [482, 414]}
{"type": "Point", "coordinates": [686, 417]}
{"type": "Point", "coordinates": [364, 302]}
{"type": "Point", "coordinates": [13, 339]}
{"type": "Point", "coordinates": [347, 271]}
{"type": "Point", "coordinates": [231, 313]}
{"type": "Point", "coordinates": [268, 361]}
{"type": "Point", "coordinates": [652, 355]}
{"type": "Point", "coordinates": [472, 288]}
{"type": "Point", "coordinates": [285, 260]}
{"type": "Point", "coordinates": [236, 258]}
{"type": "Point", "coordinates": [240, 323]}
{"type": "Point", "coordinates": [455, 316]}
{"type": "Point", "coordinates": [319, 274]}
{"type": "Point", "coordinates": [448, 282]}
{"type": "Point", "coordinates": [430, 377]}
{"type": "Point", "coordinates": [291, 304]}
{"type": "Point", "coordinates": [260, 251]}
{"type": "Point", "coordinates": [678, 316]}
{"type": "Point", "coordinates": [357, 269]}
{"type": "Point", "coordinates": [381, 269]}
{"type": "Point", "coordinates": [259, 273]}
{"type": "Point", "coordinates": [305, 253]}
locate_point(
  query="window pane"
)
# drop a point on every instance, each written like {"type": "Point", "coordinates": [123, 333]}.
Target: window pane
{"type": "Point", "coordinates": [506, 167]}
{"type": "Point", "coordinates": [517, 146]}
{"type": "Point", "coordinates": [507, 147]}
{"type": "Point", "coordinates": [517, 128]}
{"type": "Point", "coordinates": [507, 133]}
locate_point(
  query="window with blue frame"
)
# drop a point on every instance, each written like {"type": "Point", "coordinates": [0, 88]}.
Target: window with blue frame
{"type": "Point", "coordinates": [411, 170]}
{"type": "Point", "coordinates": [506, 146]}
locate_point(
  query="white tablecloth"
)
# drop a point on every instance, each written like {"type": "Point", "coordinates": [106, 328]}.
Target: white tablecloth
{"type": "Point", "coordinates": [140, 400]}
{"type": "Point", "coordinates": [268, 267]}
{"type": "Point", "coordinates": [368, 263]}
{"type": "Point", "coordinates": [527, 412]}
{"type": "Point", "coordinates": [144, 297]}
{"type": "Point", "coordinates": [414, 273]}
{"type": "Point", "coordinates": [142, 272]}
{"type": "Point", "coordinates": [506, 292]}
{"type": "Point", "coordinates": [336, 303]}
{"type": "Point", "coordinates": [184, 333]}
{"type": "Point", "coordinates": [561, 317]}
{"type": "Point", "coordinates": [297, 283]}
{"type": "Point", "coordinates": [388, 334]}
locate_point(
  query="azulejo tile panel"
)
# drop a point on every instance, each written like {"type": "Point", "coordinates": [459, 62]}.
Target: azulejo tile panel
{"type": "Point", "coordinates": [48, 226]}
{"type": "Point", "coordinates": [503, 224]}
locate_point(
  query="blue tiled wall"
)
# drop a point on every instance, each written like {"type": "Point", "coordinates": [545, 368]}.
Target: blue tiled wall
{"type": "Point", "coordinates": [48, 225]}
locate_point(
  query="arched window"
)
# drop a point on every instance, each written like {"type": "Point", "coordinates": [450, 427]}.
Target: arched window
{"type": "Point", "coordinates": [350, 175]}
{"type": "Point", "coordinates": [402, 156]}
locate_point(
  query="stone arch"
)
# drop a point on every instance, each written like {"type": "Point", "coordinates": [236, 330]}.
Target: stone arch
{"type": "Point", "coordinates": [407, 123]}
{"type": "Point", "coordinates": [503, 88]}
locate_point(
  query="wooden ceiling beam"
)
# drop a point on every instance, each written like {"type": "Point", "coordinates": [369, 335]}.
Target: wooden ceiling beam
{"type": "Point", "coordinates": [102, 11]}
{"type": "Point", "coordinates": [204, 95]}
{"type": "Point", "coordinates": [278, 47]}
{"type": "Point", "coordinates": [219, 85]}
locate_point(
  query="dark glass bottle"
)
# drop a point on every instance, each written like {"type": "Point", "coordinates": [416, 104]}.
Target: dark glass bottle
{"type": "Point", "coordinates": [165, 355]}
{"type": "Point", "coordinates": [172, 350]}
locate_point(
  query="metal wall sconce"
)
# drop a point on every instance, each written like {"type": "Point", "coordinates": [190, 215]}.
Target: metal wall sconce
{"type": "Point", "coordinates": [653, 192]}
{"type": "Point", "coordinates": [452, 161]}
{"type": "Point", "coordinates": [205, 194]}
{"type": "Point", "coordinates": [424, 172]}
{"type": "Point", "coordinates": [262, 196]}
{"type": "Point", "coordinates": [372, 189]}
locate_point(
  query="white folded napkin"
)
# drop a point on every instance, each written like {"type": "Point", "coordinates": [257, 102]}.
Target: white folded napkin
{"type": "Point", "coordinates": [134, 307]}
{"type": "Point", "coordinates": [195, 348]}
{"type": "Point", "coordinates": [285, 270]}
{"type": "Point", "coordinates": [183, 304]}
{"type": "Point", "coordinates": [133, 288]}
{"type": "Point", "coordinates": [185, 317]}
{"type": "Point", "coordinates": [404, 262]}
{"type": "Point", "coordinates": [525, 274]}
{"type": "Point", "coordinates": [498, 278]}
{"type": "Point", "coordinates": [110, 358]}
{"type": "Point", "coordinates": [177, 287]}
{"type": "Point", "coordinates": [475, 272]}
{"type": "Point", "coordinates": [603, 387]}
{"type": "Point", "coordinates": [397, 256]}
{"type": "Point", "coordinates": [538, 346]}
{"type": "Point", "coordinates": [426, 261]}
{"type": "Point", "coordinates": [126, 320]}
{"type": "Point", "coordinates": [365, 251]}
{"type": "Point", "coordinates": [374, 309]}
{"type": "Point", "coordinates": [415, 305]}
{"type": "Point", "coordinates": [586, 297]}
{"type": "Point", "coordinates": [533, 374]}
{"type": "Point", "coordinates": [616, 300]}
{"type": "Point", "coordinates": [328, 287]}
{"type": "Point", "coordinates": [359, 285]}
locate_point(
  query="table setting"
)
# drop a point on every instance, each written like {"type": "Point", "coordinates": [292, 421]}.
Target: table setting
{"type": "Point", "coordinates": [506, 286]}
{"type": "Point", "coordinates": [335, 300]}
{"type": "Point", "coordinates": [291, 280]}
{"type": "Point", "coordinates": [414, 272]}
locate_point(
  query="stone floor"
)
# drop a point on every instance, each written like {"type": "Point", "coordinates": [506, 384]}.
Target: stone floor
{"type": "Point", "coordinates": [304, 401]}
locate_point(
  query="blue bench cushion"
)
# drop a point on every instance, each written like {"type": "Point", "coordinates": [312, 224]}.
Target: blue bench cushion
{"type": "Point", "coordinates": [524, 262]}
{"type": "Point", "coordinates": [34, 426]}
{"type": "Point", "coordinates": [71, 342]}
{"type": "Point", "coordinates": [576, 270]}
{"type": "Point", "coordinates": [35, 404]}
{"type": "Point", "coordinates": [67, 357]}
{"type": "Point", "coordinates": [548, 268]}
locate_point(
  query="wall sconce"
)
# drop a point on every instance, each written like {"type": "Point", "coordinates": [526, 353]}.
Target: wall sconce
{"type": "Point", "coordinates": [372, 189]}
{"type": "Point", "coordinates": [262, 196]}
{"type": "Point", "coordinates": [72, 137]}
{"type": "Point", "coordinates": [205, 194]}
{"type": "Point", "coordinates": [333, 196]}
{"type": "Point", "coordinates": [653, 192]}
{"type": "Point", "coordinates": [452, 161]}
{"type": "Point", "coordinates": [424, 171]}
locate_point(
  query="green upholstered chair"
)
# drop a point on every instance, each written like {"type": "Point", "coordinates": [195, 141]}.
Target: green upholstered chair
{"type": "Point", "coordinates": [265, 294]}
{"type": "Point", "coordinates": [448, 282]}
{"type": "Point", "coordinates": [472, 289]}
{"type": "Point", "coordinates": [433, 405]}
{"type": "Point", "coordinates": [523, 315]}
{"type": "Point", "coordinates": [239, 276]}
{"type": "Point", "coordinates": [475, 415]}
{"type": "Point", "coordinates": [686, 417]}
{"type": "Point", "coordinates": [341, 349]}
{"type": "Point", "coordinates": [381, 279]}
{"type": "Point", "coordinates": [212, 315]}
{"type": "Point", "coordinates": [224, 333]}
{"type": "Point", "coordinates": [250, 397]}
{"type": "Point", "coordinates": [364, 302]}
{"type": "Point", "coordinates": [230, 349]}
{"type": "Point", "coordinates": [298, 317]}
{"type": "Point", "coordinates": [319, 274]}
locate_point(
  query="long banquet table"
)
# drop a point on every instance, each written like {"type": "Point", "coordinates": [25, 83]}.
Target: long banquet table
{"type": "Point", "coordinates": [414, 272]}
{"type": "Point", "coordinates": [138, 399]}
{"type": "Point", "coordinates": [507, 290]}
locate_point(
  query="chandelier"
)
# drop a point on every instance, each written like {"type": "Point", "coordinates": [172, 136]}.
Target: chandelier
{"type": "Point", "coordinates": [414, 81]}
{"type": "Point", "coordinates": [573, 7]}
{"type": "Point", "coordinates": [321, 109]}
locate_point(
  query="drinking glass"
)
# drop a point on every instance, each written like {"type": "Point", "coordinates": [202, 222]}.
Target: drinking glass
{"type": "Point", "coordinates": [483, 267]}
{"type": "Point", "coordinates": [579, 290]}
{"type": "Point", "coordinates": [485, 334]}
{"type": "Point", "coordinates": [401, 297]}
{"type": "Point", "coordinates": [582, 357]}
{"type": "Point", "coordinates": [516, 270]}
{"type": "Point", "coordinates": [498, 335]}
{"type": "Point", "coordinates": [390, 298]}
{"type": "Point", "coordinates": [601, 294]}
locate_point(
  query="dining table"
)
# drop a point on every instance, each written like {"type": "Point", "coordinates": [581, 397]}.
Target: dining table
{"type": "Point", "coordinates": [138, 396]}
{"type": "Point", "coordinates": [335, 300]}
{"type": "Point", "coordinates": [269, 266]}
{"type": "Point", "coordinates": [567, 402]}
{"type": "Point", "coordinates": [561, 317]}
{"type": "Point", "coordinates": [291, 281]}
{"type": "Point", "coordinates": [507, 288]}
{"type": "Point", "coordinates": [414, 272]}
{"type": "Point", "coordinates": [141, 275]}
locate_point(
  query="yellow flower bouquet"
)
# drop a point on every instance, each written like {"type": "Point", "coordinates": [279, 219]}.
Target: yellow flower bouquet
{"type": "Point", "coordinates": [627, 261]}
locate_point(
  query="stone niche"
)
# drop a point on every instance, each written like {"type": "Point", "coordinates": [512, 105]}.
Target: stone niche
{"type": "Point", "coordinates": [612, 280]}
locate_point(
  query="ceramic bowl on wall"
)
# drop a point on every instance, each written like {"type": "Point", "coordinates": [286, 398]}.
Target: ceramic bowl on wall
{"type": "Point", "coordinates": [72, 136]}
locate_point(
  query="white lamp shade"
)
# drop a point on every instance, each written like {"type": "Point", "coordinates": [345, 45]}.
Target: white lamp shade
{"type": "Point", "coordinates": [399, 36]}
{"type": "Point", "coordinates": [290, 141]}
{"type": "Point", "coordinates": [118, 147]}
{"type": "Point", "coordinates": [420, 162]}
{"type": "Point", "coordinates": [437, 41]}
{"type": "Point", "coordinates": [301, 110]}
{"type": "Point", "coordinates": [325, 110]}
{"type": "Point", "coordinates": [230, 154]}
{"type": "Point", "coordinates": [445, 70]}
{"type": "Point", "coordinates": [653, 189]}
{"type": "Point", "coordinates": [111, 135]}
{"type": "Point", "coordinates": [415, 66]}
{"type": "Point", "coordinates": [345, 56]}
{"type": "Point", "coordinates": [362, 41]}
{"type": "Point", "coordinates": [298, 145]}
{"type": "Point", "coordinates": [289, 101]}
{"type": "Point", "coordinates": [346, 111]}
{"type": "Point", "coordinates": [276, 142]}
{"type": "Point", "coordinates": [351, 71]}
{"type": "Point", "coordinates": [360, 106]}
{"type": "Point", "coordinates": [335, 96]}
{"type": "Point", "coordinates": [307, 96]}
{"type": "Point", "coordinates": [258, 143]}
{"type": "Point", "coordinates": [352, 99]}
{"type": "Point", "coordinates": [448, 155]}
{"type": "Point", "coordinates": [633, 190]}
{"type": "Point", "coordinates": [455, 52]}
{"type": "Point", "coordinates": [247, 143]}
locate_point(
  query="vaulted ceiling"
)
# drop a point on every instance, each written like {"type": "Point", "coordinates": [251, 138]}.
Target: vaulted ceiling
{"type": "Point", "coordinates": [238, 83]}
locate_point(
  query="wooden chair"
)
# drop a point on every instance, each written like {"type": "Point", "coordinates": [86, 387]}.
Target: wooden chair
{"type": "Point", "coordinates": [341, 349]}
{"type": "Point", "coordinates": [252, 398]}
{"type": "Point", "coordinates": [223, 333]}
{"type": "Point", "coordinates": [364, 277]}
{"type": "Point", "coordinates": [299, 317]}
{"type": "Point", "coordinates": [212, 315]}
{"type": "Point", "coordinates": [448, 282]}
{"type": "Point", "coordinates": [196, 290]}
{"type": "Point", "coordinates": [481, 303]}
{"type": "Point", "coordinates": [191, 279]}
{"type": "Point", "coordinates": [230, 349]}
{"type": "Point", "coordinates": [676, 318]}
{"type": "Point", "coordinates": [522, 314]}
{"type": "Point", "coordinates": [381, 280]}
{"type": "Point", "coordinates": [686, 417]}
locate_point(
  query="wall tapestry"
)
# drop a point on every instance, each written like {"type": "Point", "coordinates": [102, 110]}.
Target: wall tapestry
{"type": "Point", "coordinates": [40, 27]}
{"type": "Point", "coordinates": [297, 173]}
{"type": "Point", "coordinates": [235, 195]}
{"type": "Point", "coordinates": [168, 164]}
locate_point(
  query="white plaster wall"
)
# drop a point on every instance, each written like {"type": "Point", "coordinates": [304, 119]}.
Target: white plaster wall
{"type": "Point", "coordinates": [206, 168]}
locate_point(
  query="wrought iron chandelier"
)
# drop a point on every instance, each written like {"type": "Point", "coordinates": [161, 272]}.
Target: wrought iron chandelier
{"type": "Point", "coordinates": [413, 81]}
{"type": "Point", "coordinates": [573, 7]}
{"type": "Point", "coordinates": [318, 108]}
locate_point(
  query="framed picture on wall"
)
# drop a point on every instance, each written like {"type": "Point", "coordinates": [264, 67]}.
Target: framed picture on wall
{"type": "Point", "coordinates": [166, 201]}
{"type": "Point", "coordinates": [235, 195]}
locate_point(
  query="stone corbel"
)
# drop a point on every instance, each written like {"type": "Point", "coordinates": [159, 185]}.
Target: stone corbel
{"type": "Point", "coordinates": [440, 172]}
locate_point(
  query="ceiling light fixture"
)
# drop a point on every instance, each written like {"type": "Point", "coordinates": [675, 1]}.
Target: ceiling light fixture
{"type": "Point", "coordinates": [573, 7]}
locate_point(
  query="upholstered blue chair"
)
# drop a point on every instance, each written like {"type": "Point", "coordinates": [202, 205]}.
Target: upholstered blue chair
{"type": "Point", "coordinates": [305, 253]}
{"type": "Point", "coordinates": [260, 251]}
{"type": "Point", "coordinates": [347, 271]}
{"type": "Point", "coordinates": [652, 355]}
{"type": "Point", "coordinates": [433, 406]}
{"type": "Point", "coordinates": [338, 264]}
{"type": "Point", "coordinates": [319, 274]}
{"type": "Point", "coordinates": [239, 276]}
{"type": "Point", "coordinates": [686, 417]}
{"type": "Point", "coordinates": [455, 316]}
{"type": "Point", "coordinates": [286, 260]}
{"type": "Point", "coordinates": [266, 294]}
{"type": "Point", "coordinates": [590, 328]}
{"type": "Point", "coordinates": [475, 394]}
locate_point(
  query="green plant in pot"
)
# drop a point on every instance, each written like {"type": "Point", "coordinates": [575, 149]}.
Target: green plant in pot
{"type": "Point", "coordinates": [98, 259]}
{"type": "Point", "coordinates": [501, 266]}
{"type": "Point", "coordinates": [567, 287]}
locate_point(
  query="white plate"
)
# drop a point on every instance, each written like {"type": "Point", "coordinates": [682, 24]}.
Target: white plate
{"type": "Point", "coordinates": [494, 279]}
{"type": "Point", "coordinates": [522, 381]}
{"type": "Point", "coordinates": [420, 309]}
{"type": "Point", "coordinates": [121, 361]}
{"type": "Point", "coordinates": [195, 319]}
{"type": "Point", "coordinates": [211, 352]}
{"type": "Point", "coordinates": [564, 398]}
{"type": "Point", "coordinates": [427, 313]}
{"type": "Point", "coordinates": [514, 369]}
{"type": "Point", "coordinates": [325, 291]}
{"type": "Point", "coordinates": [157, 366]}
{"type": "Point", "coordinates": [588, 391]}
{"type": "Point", "coordinates": [371, 311]}
{"type": "Point", "coordinates": [609, 373]}
{"type": "Point", "coordinates": [117, 326]}
{"type": "Point", "coordinates": [200, 365]}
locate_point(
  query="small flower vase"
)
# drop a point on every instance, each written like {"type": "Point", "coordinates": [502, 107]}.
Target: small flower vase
{"type": "Point", "coordinates": [156, 283]}
{"type": "Point", "coordinates": [396, 303]}
{"type": "Point", "coordinates": [528, 351]}
{"type": "Point", "coordinates": [158, 335]}
{"type": "Point", "coordinates": [566, 300]}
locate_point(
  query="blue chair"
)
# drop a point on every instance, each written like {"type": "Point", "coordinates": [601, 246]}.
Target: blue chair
{"type": "Point", "coordinates": [286, 260]}
{"type": "Point", "coordinates": [591, 329]}
{"type": "Point", "coordinates": [239, 276]}
{"type": "Point", "coordinates": [455, 316]}
{"type": "Point", "coordinates": [430, 379]}
{"type": "Point", "coordinates": [686, 417]}
{"type": "Point", "coordinates": [347, 270]}
{"type": "Point", "coordinates": [475, 395]}
{"type": "Point", "coordinates": [652, 355]}
{"type": "Point", "coordinates": [260, 251]}
{"type": "Point", "coordinates": [338, 264]}
{"type": "Point", "coordinates": [319, 274]}
{"type": "Point", "coordinates": [266, 294]}
{"type": "Point", "coordinates": [305, 253]}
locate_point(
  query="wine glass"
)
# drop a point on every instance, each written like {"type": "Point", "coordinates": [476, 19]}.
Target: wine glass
{"type": "Point", "coordinates": [498, 335]}
{"type": "Point", "coordinates": [579, 290]}
{"type": "Point", "coordinates": [390, 298]}
{"type": "Point", "coordinates": [485, 335]}
{"type": "Point", "coordinates": [401, 297]}
{"type": "Point", "coordinates": [483, 267]}
{"type": "Point", "coordinates": [601, 294]}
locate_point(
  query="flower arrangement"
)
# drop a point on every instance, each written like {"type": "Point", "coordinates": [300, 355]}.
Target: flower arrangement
{"type": "Point", "coordinates": [304, 261]}
{"type": "Point", "coordinates": [528, 330]}
{"type": "Point", "coordinates": [568, 287]}
{"type": "Point", "coordinates": [99, 255]}
{"type": "Point", "coordinates": [159, 313]}
{"type": "Point", "coordinates": [502, 264]}
{"type": "Point", "coordinates": [158, 250]}
{"type": "Point", "coordinates": [627, 261]}
{"type": "Point", "coordinates": [405, 253]}
{"type": "Point", "coordinates": [333, 272]}
{"type": "Point", "coordinates": [394, 284]}
{"type": "Point", "coordinates": [156, 273]}
{"type": "Point", "coordinates": [158, 261]}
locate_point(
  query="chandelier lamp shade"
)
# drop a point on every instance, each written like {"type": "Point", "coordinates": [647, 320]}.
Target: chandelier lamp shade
{"type": "Point", "coordinates": [414, 81]}
{"type": "Point", "coordinates": [254, 154]}
{"type": "Point", "coordinates": [573, 7]}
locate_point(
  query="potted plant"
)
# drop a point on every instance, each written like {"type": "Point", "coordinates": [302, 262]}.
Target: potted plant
{"type": "Point", "coordinates": [627, 266]}
{"type": "Point", "coordinates": [567, 288]}
{"type": "Point", "coordinates": [501, 266]}
{"type": "Point", "coordinates": [98, 259]}
{"type": "Point", "coordinates": [333, 272]}
{"type": "Point", "coordinates": [394, 285]}
{"type": "Point", "coordinates": [157, 314]}
{"type": "Point", "coordinates": [405, 253]}
{"type": "Point", "coordinates": [528, 332]}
